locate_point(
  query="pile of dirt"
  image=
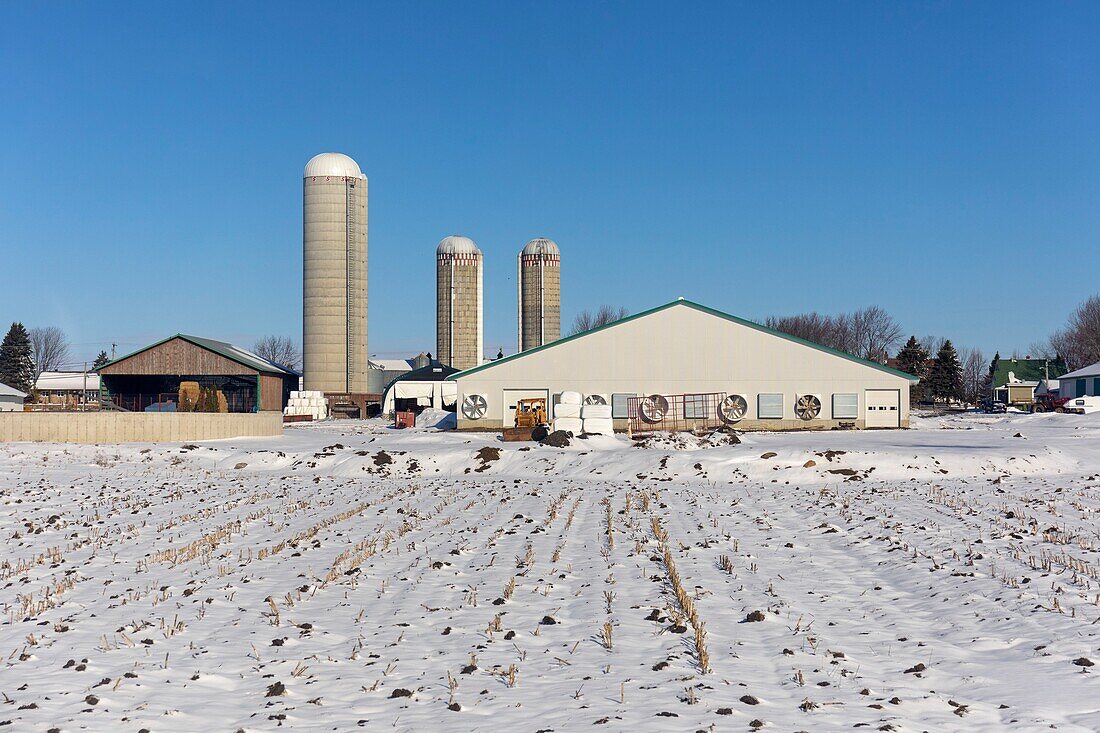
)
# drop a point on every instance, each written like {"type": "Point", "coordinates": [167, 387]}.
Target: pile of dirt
{"type": "Point", "coordinates": [487, 455]}
{"type": "Point", "coordinates": [557, 439]}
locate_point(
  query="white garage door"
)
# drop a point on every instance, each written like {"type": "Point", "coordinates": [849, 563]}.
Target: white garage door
{"type": "Point", "coordinates": [883, 408]}
{"type": "Point", "coordinates": [512, 396]}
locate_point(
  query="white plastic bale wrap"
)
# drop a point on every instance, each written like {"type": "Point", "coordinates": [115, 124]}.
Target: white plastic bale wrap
{"type": "Point", "coordinates": [596, 411]}
{"type": "Point", "coordinates": [599, 425]}
{"type": "Point", "coordinates": [569, 424]}
{"type": "Point", "coordinates": [570, 398]}
{"type": "Point", "coordinates": [563, 409]}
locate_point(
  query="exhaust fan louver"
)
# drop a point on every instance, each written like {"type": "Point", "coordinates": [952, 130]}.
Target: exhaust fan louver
{"type": "Point", "coordinates": [733, 408]}
{"type": "Point", "coordinates": [653, 408]}
{"type": "Point", "coordinates": [595, 399]}
{"type": "Point", "coordinates": [807, 407]}
{"type": "Point", "coordinates": [474, 407]}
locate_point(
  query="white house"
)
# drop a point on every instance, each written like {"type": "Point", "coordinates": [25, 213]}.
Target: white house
{"type": "Point", "coordinates": [714, 365]}
{"type": "Point", "coordinates": [67, 389]}
{"type": "Point", "coordinates": [11, 399]}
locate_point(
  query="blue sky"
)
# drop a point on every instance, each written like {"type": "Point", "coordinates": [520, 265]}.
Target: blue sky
{"type": "Point", "coordinates": [761, 159]}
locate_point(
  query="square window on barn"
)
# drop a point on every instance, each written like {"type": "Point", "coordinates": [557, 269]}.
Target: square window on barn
{"type": "Point", "coordinates": [619, 402]}
{"type": "Point", "coordinates": [695, 407]}
{"type": "Point", "coordinates": [769, 406]}
{"type": "Point", "coordinates": [845, 406]}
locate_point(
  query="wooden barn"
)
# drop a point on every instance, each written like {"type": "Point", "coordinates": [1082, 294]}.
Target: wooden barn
{"type": "Point", "coordinates": [153, 379]}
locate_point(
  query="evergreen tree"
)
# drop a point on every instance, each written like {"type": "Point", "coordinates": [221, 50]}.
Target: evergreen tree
{"type": "Point", "coordinates": [911, 359]}
{"type": "Point", "coordinates": [945, 377]}
{"type": "Point", "coordinates": [16, 363]}
{"type": "Point", "coordinates": [100, 360]}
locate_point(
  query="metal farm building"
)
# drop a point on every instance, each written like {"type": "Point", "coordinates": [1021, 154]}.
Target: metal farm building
{"type": "Point", "coordinates": [459, 321]}
{"type": "Point", "coordinates": [683, 366]}
{"type": "Point", "coordinates": [539, 294]}
{"type": "Point", "coordinates": [334, 233]}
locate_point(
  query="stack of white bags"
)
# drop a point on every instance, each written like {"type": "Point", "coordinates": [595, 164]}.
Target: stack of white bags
{"type": "Point", "coordinates": [597, 419]}
{"type": "Point", "coordinates": [309, 402]}
{"type": "Point", "coordinates": [567, 413]}
{"type": "Point", "coordinates": [572, 415]}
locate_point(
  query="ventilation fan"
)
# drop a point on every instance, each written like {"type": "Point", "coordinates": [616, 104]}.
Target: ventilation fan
{"type": "Point", "coordinates": [595, 399]}
{"type": "Point", "coordinates": [733, 408]}
{"type": "Point", "coordinates": [653, 408]}
{"type": "Point", "coordinates": [807, 407]}
{"type": "Point", "coordinates": [474, 406]}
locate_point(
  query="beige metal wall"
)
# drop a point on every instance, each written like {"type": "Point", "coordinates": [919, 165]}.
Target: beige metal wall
{"type": "Point", "coordinates": [459, 309]}
{"type": "Point", "coordinates": [135, 427]}
{"type": "Point", "coordinates": [334, 325]}
{"type": "Point", "coordinates": [681, 349]}
{"type": "Point", "coordinates": [539, 300]}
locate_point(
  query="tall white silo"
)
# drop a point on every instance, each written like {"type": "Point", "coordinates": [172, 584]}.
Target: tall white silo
{"type": "Point", "coordinates": [334, 303]}
{"type": "Point", "coordinates": [539, 283]}
{"type": "Point", "coordinates": [459, 322]}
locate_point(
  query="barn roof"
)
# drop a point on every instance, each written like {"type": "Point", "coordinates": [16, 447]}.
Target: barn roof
{"type": "Point", "coordinates": [695, 306]}
{"type": "Point", "coordinates": [222, 348]}
{"type": "Point", "coordinates": [1091, 370]}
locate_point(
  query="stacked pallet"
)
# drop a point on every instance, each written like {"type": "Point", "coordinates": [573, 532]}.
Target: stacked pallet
{"type": "Point", "coordinates": [307, 402]}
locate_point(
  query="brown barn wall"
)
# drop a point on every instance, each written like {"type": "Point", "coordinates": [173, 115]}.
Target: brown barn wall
{"type": "Point", "coordinates": [177, 356]}
{"type": "Point", "coordinates": [271, 392]}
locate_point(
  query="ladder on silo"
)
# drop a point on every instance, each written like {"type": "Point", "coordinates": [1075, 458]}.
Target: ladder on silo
{"type": "Point", "coordinates": [351, 251]}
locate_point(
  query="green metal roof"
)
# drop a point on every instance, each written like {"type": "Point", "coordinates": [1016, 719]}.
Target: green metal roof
{"type": "Point", "coordinates": [222, 348]}
{"type": "Point", "coordinates": [704, 309]}
{"type": "Point", "coordinates": [1026, 370]}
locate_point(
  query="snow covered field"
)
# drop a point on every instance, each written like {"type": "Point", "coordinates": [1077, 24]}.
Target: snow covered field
{"type": "Point", "coordinates": [350, 576]}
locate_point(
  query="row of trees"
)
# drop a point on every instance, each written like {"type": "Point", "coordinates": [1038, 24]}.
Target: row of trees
{"type": "Point", "coordinates": [26, 353]}
{"type": "Point", "coordinates": [870, 333]}
{"type": "Point", "coordinates": [951, 375]}
{"type": "Point", "coordinates": [586, 320]}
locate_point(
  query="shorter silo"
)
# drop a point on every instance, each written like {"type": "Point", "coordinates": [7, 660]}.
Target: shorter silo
{"type": "Point", "coordinates": [458, 303]}
{"type": "Point", "coordinates": [539, 282]}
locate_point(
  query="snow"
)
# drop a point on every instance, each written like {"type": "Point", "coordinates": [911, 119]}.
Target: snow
{"type": "Point", "coordinates": [941, 578]}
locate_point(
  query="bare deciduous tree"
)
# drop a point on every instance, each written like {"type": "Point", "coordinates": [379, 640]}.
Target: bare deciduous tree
{"type": "Point", "coordinates": [974, 370]}
{"type": "Point", "coordinates": [586, 320]}
{"type": "Point", "coordinates": [49, 349]}
{"type": "Point", "coordinates": [870, 333]}
{"type": "Point", "coordinates": [933, 344]}
{"type": "Point", "coordinates": [281, 350]}
{"type": "Point", "coordinates": [1079, 341]}
{"type": "Point", "coordinates": [875, 333]}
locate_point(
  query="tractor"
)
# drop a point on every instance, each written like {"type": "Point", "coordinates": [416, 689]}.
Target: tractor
{"type": "Point", "coordinates": [531, 421]}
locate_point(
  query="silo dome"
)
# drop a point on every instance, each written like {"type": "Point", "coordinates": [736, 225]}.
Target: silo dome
{"type": "Point", "coordinates": [332, 164]}
{"type": "Point", "coordinates": [455, 244]}
{"type": "Point", "coordinates": [541, 246]}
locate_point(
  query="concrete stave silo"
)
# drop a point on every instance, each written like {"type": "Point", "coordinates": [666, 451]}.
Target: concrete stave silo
{"type": "Point", "coordinates": [539, 284]}
{"type": "Point", "coordinates": [459, 313]}
{"type": "Point", "coordinates": [334, 293]}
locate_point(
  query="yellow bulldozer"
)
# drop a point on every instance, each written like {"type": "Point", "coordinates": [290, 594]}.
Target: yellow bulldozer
{"type": "Point", "coordinates": [530, 419]}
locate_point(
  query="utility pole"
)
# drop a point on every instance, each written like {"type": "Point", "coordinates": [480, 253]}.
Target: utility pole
{"type": "Point", "coordinates": [113, 345]}
{"type": "Point", "coordinates": [84, 392]}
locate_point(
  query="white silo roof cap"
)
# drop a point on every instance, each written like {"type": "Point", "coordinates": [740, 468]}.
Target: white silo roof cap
{"type": "Point", "coordinates": [455, 244]}
{"type": "Point", "coordinates": [541, 246]}
{"type": "Point", "coordinates": [332, 164]}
